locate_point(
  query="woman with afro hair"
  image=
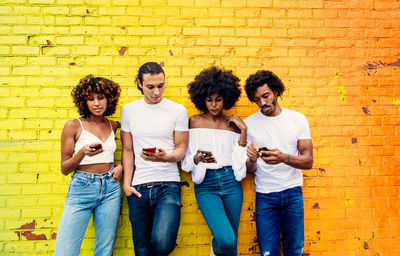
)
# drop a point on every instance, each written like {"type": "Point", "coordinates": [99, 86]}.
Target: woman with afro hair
{"type": "Point", "coordinates": [87, 150]}
{"type": "Point", "coordinates": [216, 155]}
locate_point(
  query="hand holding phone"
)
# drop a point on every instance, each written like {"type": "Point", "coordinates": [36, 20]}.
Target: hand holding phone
{"type": "Point", "coordinates": [206, 153]}
{"type": "Point", "coordinates": [149, 149]}
{"type": "Point", "coordinates": [261, 149]}
{"type": "Point", "coordinates": [96, 146]}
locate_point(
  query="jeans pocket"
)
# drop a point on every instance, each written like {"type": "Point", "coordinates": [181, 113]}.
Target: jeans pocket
{"type": "Point", "coordinates": [78, 182]}
{"type": "Point", "coordinates": [112, 179]}
{"type": "Point", "coordinates": [298, 190]}
{"type": "Point", "coordinates": [173, 186]}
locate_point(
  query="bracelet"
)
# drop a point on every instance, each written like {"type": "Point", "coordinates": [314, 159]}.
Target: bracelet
{"type": "Point", "coordinates": [288, 159]}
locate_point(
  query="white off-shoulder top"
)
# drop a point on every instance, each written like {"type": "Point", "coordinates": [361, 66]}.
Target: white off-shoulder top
{"type": "Point", "coordinates": [225, 148]}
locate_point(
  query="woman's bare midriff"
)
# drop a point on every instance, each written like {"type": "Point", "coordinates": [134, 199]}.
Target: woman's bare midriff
{"type": "Point", "coordinates": [95, 168]}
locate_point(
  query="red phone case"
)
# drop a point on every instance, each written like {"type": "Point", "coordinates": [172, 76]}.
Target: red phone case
{"type": "Point", "coordinates": [149, 149]}
{"type": "Point", "coordinates": [96, 146]}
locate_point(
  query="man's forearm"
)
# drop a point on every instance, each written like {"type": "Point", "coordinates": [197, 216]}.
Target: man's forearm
{"type": "Point", "coordinates": [177, 155]}
{"type": "Point", "coordinates": [128, 166]}
{"type": "Point", "coordinates": [303, 162]}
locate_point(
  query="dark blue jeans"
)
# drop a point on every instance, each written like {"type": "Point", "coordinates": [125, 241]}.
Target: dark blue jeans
{"type": "Point", "coordinates": [280, 212]}
{"type": "Point", "coordinates": [155, 218]}
{"type": "Point", "coordinates": [220, 199]}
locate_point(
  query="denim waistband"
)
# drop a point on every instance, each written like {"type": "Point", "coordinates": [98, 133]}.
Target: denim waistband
{"type": "Point", "coordinates": [154, 184]}
{"type": "Point", "coordinates": [222, 169]}
{"type": "Point", "coordinates": [93, 175]}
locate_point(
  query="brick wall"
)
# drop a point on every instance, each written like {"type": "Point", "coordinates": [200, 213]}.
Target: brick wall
{"type": "Point", "coordinates": [340, 61]}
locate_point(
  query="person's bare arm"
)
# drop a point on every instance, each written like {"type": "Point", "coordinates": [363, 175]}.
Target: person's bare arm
{"type": "Point", "coordinates": [303, 161]}
{"type": "Point", "coordinates": [128, 160]}
{"type": "Point", "coordinates": [69, 161]}
{"type": "Point", "coordinates": [252, 155]}
{"type": "Point", "coordinates": [181, 139]}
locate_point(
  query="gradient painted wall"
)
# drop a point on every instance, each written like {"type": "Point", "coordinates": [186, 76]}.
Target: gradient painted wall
{"type": "Point", "coordinates": [340, 61]}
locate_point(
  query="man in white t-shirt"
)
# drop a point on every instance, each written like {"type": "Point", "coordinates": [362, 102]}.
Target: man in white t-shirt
{"type": "Point", "coordinates": [285, 136]}
{"type": "Point", "coordinates": [154, 134]}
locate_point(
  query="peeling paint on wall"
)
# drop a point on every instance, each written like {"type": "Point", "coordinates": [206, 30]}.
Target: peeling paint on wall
{"type": "Point", "coordinates": [396, 102]}
{"type": "Point", "coordinates": [348, 200]}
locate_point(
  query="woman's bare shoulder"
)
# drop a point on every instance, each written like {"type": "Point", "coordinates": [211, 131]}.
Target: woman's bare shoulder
{"type": "Point", "coordinates": [196, 121]}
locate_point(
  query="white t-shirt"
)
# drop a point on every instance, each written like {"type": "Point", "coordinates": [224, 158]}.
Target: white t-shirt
{"type": "Point", "coordinates": [153, 125]}
{"type": "Point", "coordinates": [224, 146]}
{"type": "Point", "coordinates": [281, 132]}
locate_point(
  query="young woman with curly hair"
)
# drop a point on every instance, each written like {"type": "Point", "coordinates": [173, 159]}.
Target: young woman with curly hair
{"type": "Point", "coordinates": [87, 150]}
{"type": "Point", "coordinates": [216, 155]}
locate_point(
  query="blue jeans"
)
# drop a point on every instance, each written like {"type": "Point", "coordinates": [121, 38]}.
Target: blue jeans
{"type": "Point", "coordinates": [280, 212]}
{"type": "Point", "coordinates": [88, 194]}
{"type": "Point", "coordinates": [155, 217]}
{"type": "Point", "coordinates": [220, 199]}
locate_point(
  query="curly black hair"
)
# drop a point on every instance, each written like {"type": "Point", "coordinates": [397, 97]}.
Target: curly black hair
{"type": "Point", "coordinates": [214, 80]}
{"type": "Point", "coordinates": [148, 68]}
{"type": "Point", "coordinates": [260, 78]}
{"type": "Point", "coordinates": [99, 85]}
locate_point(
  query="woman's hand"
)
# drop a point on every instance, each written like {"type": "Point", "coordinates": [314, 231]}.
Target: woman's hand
{"type": "Point", "coordinates": [116, 172]}
{"type": "Point", "coordinates": [237, 121]}
{"type": "Point", "coordinates": [88, 151]}
{"type": "Point", "coordinates": [201, 157]}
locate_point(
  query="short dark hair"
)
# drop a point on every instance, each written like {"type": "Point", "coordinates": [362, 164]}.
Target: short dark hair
{"type": "Point", "coordinates": [214, 80]}
{"type": "Point", "coordinates": [99, 85]}
{"type": "Point", "coordinates": [260, 78]}
{"type": "Point", "coordinates": [148, 68]}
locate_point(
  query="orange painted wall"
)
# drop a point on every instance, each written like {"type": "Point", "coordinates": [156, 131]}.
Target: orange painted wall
{"type": "Point", "coordinates": [340, 61]}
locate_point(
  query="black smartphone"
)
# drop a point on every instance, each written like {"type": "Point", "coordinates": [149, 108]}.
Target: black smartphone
{"type": "Point", "coordinates": [206, 153]}
{"type": "Point", "coordinates": [96, 146]}
{"type": "Point", "coordinates": [263, 148]}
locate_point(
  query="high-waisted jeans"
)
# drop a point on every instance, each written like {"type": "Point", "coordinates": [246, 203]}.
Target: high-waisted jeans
{"type": "Point", "coordinates": [155, 217]}
{"type": "Point", "coordinates": [220, 199]}
{"type": "Point", "coordinates": [97, 194]}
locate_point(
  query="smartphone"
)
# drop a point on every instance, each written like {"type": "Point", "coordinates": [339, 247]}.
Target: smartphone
{"type": "Point", "coordinates": [206, 153]}
{"type": "Point", "coordinates": [263, 148]}
{"type": "Point", "coordinates": [149, 149]}
{"type": "Point", "coordinates": [96, 146]}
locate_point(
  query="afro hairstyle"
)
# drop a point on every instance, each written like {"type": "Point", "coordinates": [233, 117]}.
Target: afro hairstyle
{"type": "Point", "coordinates": [214, 80]}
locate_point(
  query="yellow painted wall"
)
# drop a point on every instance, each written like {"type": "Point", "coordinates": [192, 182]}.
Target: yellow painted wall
{"type": "Point", "coordinates": [340, 61]}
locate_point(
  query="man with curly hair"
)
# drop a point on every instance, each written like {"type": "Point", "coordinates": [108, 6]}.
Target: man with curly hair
{"type": "Point", "coordinates": [154, 133]}
{"type": "Point", "coordinates": [280, 148]}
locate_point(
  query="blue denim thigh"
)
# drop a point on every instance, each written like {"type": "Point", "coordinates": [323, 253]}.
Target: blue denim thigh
{"type": "Point", "coordinates": [89, 193]}
{"type": "Point", "coordinates": [276, 212]}
{"type": "Point", "coordinates": [155, 218]}
{"type": "Point", "coordinates": [220, 198]}
{"type": "Point", "coordinates": [292, 222]}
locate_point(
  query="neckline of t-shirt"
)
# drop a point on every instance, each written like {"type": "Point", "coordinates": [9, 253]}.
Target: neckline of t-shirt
{"type": "Point", "coordinates": [213, 129]}
{"type": "Point", "coordinates": [154, 105]}
{"type": "Point", "coordinates": [284, 110]}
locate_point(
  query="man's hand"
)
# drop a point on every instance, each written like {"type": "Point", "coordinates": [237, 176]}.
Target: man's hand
{"type": "Point", "coordinates": [159, 156]}
{"type": "Point", "coordinates": [275, 156]}
{"type": "Point", "coordinates": [129, 190]}
{"type": "Point", "coordinates": [252, 152]}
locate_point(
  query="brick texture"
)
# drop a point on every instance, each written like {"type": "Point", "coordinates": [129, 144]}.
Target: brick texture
{"type": "Point", "coordinates": [340, 61]}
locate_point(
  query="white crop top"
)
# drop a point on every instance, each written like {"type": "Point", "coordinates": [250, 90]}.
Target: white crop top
{"type": "Point", "coordinates": [87, 138]}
